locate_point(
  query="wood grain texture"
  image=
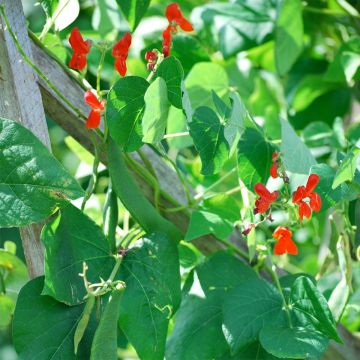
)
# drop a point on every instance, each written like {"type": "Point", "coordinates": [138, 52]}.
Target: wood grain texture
{"type": "Point", "coordinates": [20, 100]}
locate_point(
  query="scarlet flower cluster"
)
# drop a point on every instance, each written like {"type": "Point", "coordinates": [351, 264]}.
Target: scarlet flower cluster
{"type": "Point", "coordinates": [120, 52]}
{"type": "Point", "coordinates": [97, 106]}
{"type": "Point", "coordinates": [80, 47]}
{"type": "Point", "coordinates": [304, 197]}
{"type": "Point", "coordinates": [176, 19]}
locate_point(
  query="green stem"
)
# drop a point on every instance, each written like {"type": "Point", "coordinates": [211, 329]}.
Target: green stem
{"type": "Point", "coordinates": [36, 69]}
{"type": "Point", "coordinates": [98, 76]}
{"type": "Point", "coordinates": [116, 268]}
{"type": "Point", "coordinates": [91, 186]}
{"type": "Point", "coordinates": [2, 284]}
{"type": "Point", "coordinates": [275, 277]}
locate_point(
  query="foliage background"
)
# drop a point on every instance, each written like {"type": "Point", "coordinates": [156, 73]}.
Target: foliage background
{"type": "Point", "coordinates": [319, 95]}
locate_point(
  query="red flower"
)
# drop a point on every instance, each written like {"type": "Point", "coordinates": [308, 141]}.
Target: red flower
{"type": "Point", "coordinates": [167, 41]}
{"type": "Point", "coordinates": [303, 192]}
{"type": "Point", "coordinates": [262, 204]}
{"type": "Point", "coordinates": [120, 52]}
{"type": "Point", "coordinates": [97, 106]}
{"type": "Point", "coordinates": [284, 242]}
{"type": "Point", "coordinates": [175, 16]}
{"type": "Point", "coordinates": [151, 57]}
{"type": "Point", "coordinates": [273, 169]}
{"type": "Point", "coordinates": [80, 47]}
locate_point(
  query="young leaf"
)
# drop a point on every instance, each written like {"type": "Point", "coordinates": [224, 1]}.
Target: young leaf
{"type": "Point", "coordinates": [65, 14]}
{"type": "Point", "coordinates": [32, 182]}
{"type": "Point", "coordinates": [134, 199]}
{"type": "Point", "coordinates": [172, 72]}
{"type": "Point", "coordinates": [197, 332]}
{"type": "Point", "coordinates": [235, 125]}
{"type": "Point", "coordinates": [247, 309]}
{"type": "Point", "coordinates": [151, 272]}
{"type": "Point", "coordinates": [104, 345]}
{"type": "Point", "coordinates": [133, 10]}
{"type": "Point", "coordinates": [254, 158]}
{"type": "Point", "coordinates": [310, 307]}
{"type": "Point", "coordinates": [204, 222]}
{"type": "Point", "coordinates": [347, 168]}
{"type": "Point", "coordinates": [156, 111]}
{"type": "Point", "coordinates": [297, 157]}
{"type": "Point", "coordinates": [208, 135]}
{"type": "Point", "coordinates": [294, 343]}
{"type": "Point", "coordinates": [71, 239]}
{"type": "Point", "coordinates": [124, 111]}
{"type": "Point", "coordinates": [44, 329]}
{"type": "Point", "coordinates": [289, 34]}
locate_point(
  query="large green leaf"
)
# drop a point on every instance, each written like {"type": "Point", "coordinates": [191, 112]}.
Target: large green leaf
{"type": "Point", "coordinates": [297, 157]}
{"type": "Point", "coordinates": [151, 272]}
{"type": "Point", "coordinates": [253, 351]}
{"type": "Point", "coordinates": [235, 125]}
{"type": "Point", "coordinates": [71, 239]}
{"type": "Point", "coordinates": [7, 306]}
{"type": "Point", "coordinates": [44, 329]}
{"type": "Point", "coordinates": [172, 72]}
{"type": "Point", "coordinates": [204, 222]}
{"type": "Point", "coordinates": [254, 158]}
{"type": "Point", "coordinates": [294, 343]}
{"type": "Point", "coordinates": [156, 111]}
{"type": "Point", "coordinates": [347, 168]}
{"type": "Point", "coordinates": [176, 123]}
{"type": "Point", "coordinates": [197, 332]}
{"type": "Point", "coordinates": [133, 10]}
{"type": "Point", "coordinates": [247, 309]}
{"type": "Point", "coordinates": [288, 35]}
{"type": "Point", "coordinates": [204, 78]}
{"type": "Point", "coordinates": [208, 135]}
{"type": "Point", "coordinates": [134, 199]}
{"type": "Point", "coordinates": [32, 182]}
{"type": "Point", "coordinates": [124, 111]}
{"type": "Point", "coordinates": [310, 306]}
{"type": "Point", "coordinates": [104, 345]}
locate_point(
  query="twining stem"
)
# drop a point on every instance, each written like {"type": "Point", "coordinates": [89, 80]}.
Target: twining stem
{"type": "Point", "coordinates": [168, 136]}
{"type": "Point", "coordinates": [91, 186]}
{"type": "Point", "coordinates": [275, 277]}
{"type": "Point", "coordinates": [36, 69]}
{"type": "Point", "coordinates": [199, 196]}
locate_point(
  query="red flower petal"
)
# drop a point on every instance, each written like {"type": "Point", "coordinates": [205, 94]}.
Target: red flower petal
{"type": "Point", "coordinates": [92, 101]}
{"type": "Point", "coordinates": [284, 244]}
{"type": "Point", "coordinates": [273, 170]}
{"type": "Point", "coordinates": [150, 56]}
{"type": "Point", "coordinates": [261, 190]}
{"type": "Point", "coordinates": [299, 194]}
{"type": "Point", "coordinates": [304, 210]}
{"type": "Point", "coordinates": [315, 201]}
{"type": "Point", "coordinates": [77, 42]}
{"type": "Point", "coordinates": [261, 205]}
{"type": "Point", "coordinates": [120, 65]}
{"type": "Point", "coordinates": [93, 120]}
{"type": "Point", "coordinates": [282, 232]}
{"type": "Point", "coordinates": [121, 48]}
{"type": "Point", "coordinates": [280, 247]}
{"type": "Point", "coordinates": [185, 24]}
{"type": "Point", "coordinates": [313, 180]}
{"type": "Point", "coordinates": [173, 12]}
{"type": "Point", "coordinates": [77, 61]}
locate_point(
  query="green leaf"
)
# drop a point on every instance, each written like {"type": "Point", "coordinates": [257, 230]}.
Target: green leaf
{"type": "Point", "coordinates": [106, 17]}
{"type": "Point", "coordinates": [253, 351]}
{"type": "Point", "coordinates": [134, 199]}
{"type": "Point", "coordinates": [197, 332]}
{"type": "Point", "coordinates": [176, 123]}
{"type": "Point", "coordinates": [185, 101]}
{"type": "Point", "coordinates": [172, 72]}
{"type": "Point", "coordinates": [223, 205]}
{"type": "Point", "coordinates": [133, 10]}
{"type": "Point", "coordinates": [44, 329]}
{"type": "Point", "coordinates": [235, 125]}
{"type": "Point", "coordinates": [156, 111]}
{"type": "Point", "coordinates": [7, 306]}
{"type": "Point", "coordinates": [329, 196]}
{"type": "Point", "coordinates": [204, 78]}
{"type": "Point", "coordinates": [124, 111]}
{"type": "Point", "coordinates": [347, 168]}
{"type": "Point", "coordinates": [104, 345]}
{"type": "Point", "coordinates": [310, 307]}
{"type": "Point", "coordinates": [65, 14]}
{"type": "Point", "coordinates": [32, 182]}
{"type": "Point", "coordinates": [222, 272]}
{"type": "Point", "coordinates": [247, 308]}
{"type": "Point", "coordinates": [294, 343]}
{"type": "Point", "coordinates": [71, 239]}
{"type": "Point", "coordinates": [208, 135]}
{"type": "Point", "coordinates": [297, 157]}
{"type": "Point", "coordinates": [204, 222]}
{"type": "Point", "coordinates": [54, 44]}
{"type": "Point", "coordinates": [289, 34]}
{"type": "Point", "coordinates": [151, 272]}
{"type": "Point", "coordinates": [254, 158]}
{"type": "Point", "coordinates": [16, 273]}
